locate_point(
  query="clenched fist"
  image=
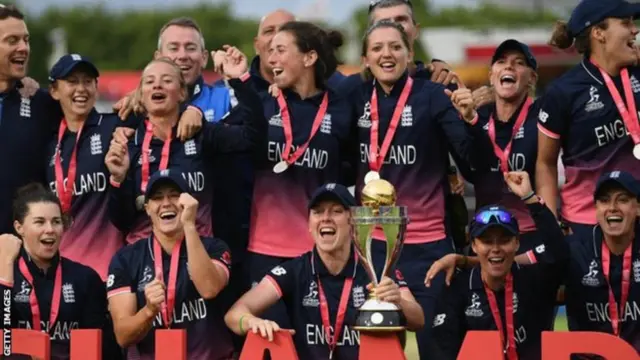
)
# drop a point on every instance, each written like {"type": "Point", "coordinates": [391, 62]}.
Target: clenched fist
{"type": "Point", "coordinates": [189, 207]}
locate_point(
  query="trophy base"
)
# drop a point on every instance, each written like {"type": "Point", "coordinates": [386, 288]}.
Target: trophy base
{"type": "Point", "coordinates": [378, 316]}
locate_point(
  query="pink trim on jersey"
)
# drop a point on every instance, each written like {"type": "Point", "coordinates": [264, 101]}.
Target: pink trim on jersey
{"type": "Point", "coordinates": [274, 283]}
{"type": "Point", "coordinates": [223, 266]}
{"type": "Point", "coordinates": [6, 283]}
{"type": "Point", "coordinates": [118, 291]}
{"type": "Point", "coordinates": [532, 257]}
{"type": "Point", "coordinates": [548, 132]}
{"type": "Point", "coordinates": [114, 183]}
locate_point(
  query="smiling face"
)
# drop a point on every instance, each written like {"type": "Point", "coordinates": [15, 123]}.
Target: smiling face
{"type": "Point", "coordinates": [76, 92]}
{"type": "Point", "coordinates": [329, 226]}
{"type": "Point", "coordinates": [162, 88]}
{"type": "Point", "coordinates": [618, 40]}
{"type": "Point", "coordinates": [41, 230]}
{"type": "Point", "coordinates": [387, 54]}
{"type": "Point", "coordinates": [163, 208]}
{"type": "Point", "coordinates": [616, 211]}
{"type": "Point", "coordinates": [14, 48]}
{"type": "Point", "coordinates": [184, 46]}
{"type": "Point", "coordinates": [496, 249]}
{"type": "Point", "coordinates": [511, 76]}
{"type": "Point", "coordinates": [287, 62]}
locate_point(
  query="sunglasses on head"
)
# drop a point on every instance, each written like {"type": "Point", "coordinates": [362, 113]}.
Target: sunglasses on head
{"type": "Point", "coordinates": [484, 217]}
{"type": "Point", "coordinates": [374, 3]}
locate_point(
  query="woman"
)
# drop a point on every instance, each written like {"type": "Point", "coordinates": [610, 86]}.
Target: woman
{"type": "Point", "coordinates": [590, 112]}
{"type": "Point", "coordinates": [66, 294]}
{"type": "Point", "coordinates": [405, 127]}
{"type": "Point", "coordinates": [497, 289]}
{"type": "Point", "coordinates": [154, 146]}
{"type": "Point", "coordinates": [172, 278]}
{"type": "Point", "coordinates": [327, 280]}
{"type": "Point", "coordinates": [506, 134]}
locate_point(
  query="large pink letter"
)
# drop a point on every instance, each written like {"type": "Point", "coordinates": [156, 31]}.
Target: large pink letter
{"type": "Point", "coordinates": [559, 345]}
{"type": "Point", "coordinates": [281, 348]}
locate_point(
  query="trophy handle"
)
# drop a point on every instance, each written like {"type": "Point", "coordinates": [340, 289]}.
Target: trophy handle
{"type": "Point", "coordinates": [394, 234]}
{"type": "Point", "coordinates": [362, 240]}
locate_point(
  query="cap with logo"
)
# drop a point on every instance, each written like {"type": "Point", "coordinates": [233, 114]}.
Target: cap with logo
{"type": "Point", "coordinates": [171, 177]}
{"type": "Point", "coordinates": [332, 191]}
{"type": "Point", "coordinates": [512, 44]}
{"type": "Point", "coordinates": [493, 216]}
{"type": "Point", "coordinates": [67, 63]}
{"type": "Point", "coordinates": [591, 12]}
{"type": "Point", "coordinates": [622, 179]}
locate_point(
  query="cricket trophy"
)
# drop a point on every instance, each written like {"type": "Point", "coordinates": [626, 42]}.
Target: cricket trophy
{"type": "Point", "coordinates": [379, 210]}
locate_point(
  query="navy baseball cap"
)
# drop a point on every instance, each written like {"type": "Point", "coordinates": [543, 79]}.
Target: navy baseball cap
{"type": "Point", "coordinates": [516, 45]}
{"type": "Point", "coordinates": [333, 191]}
{"type": "Point", "coordinates": [67, 63]}
{"type": "Point", "coordinates": [490, 216]}
{"type": "Point", "coordinates": [591, 12]}
{"type": "Point", "coordinates": [168, 176]}
{"type": "Point", "coordinates": [620, 178]}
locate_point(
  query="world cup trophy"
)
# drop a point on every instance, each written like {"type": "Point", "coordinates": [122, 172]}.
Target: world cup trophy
{"type": "Point", "coordinates": [379, 210]}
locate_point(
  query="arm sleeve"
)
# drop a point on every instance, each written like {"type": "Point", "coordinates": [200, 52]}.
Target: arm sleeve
{"type": "Point", "coordinates": [119, 279]}
{"type": "Point", "coordinates": [95, 310]}
{"type": "Point", "coordinates": [283, 277]}
{"type": "Point", "coordinates": [553, 114]}
{"type": "Point", "coordinates": [220, 254]}
{"type": "Point", "coordinates": [554, 248]}
{"type": "Point", "coordinates": [121, 202]}
{"type": "Point", "coordinates": [227, 135]}
{"type": "Point", "coordinates": [449, 326]}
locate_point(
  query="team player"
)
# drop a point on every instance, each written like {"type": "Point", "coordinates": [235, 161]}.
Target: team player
{"type": "Point", "coordinates": [49, 292]}
{"type": "Point", "coordinates": [323, 288]}
{"type": "Point", "coordinates": [405, 126]}
{"type": "Point", "coordinates": [172, 278]}
{"type": "Point", "coordinates": [506, 133]}
{"type": "Point", "coordinates": [590, 112]}
{"type": "Point", "coordinates": [155, 147]}
{"type": "Point", "coordinates": [498, 294]}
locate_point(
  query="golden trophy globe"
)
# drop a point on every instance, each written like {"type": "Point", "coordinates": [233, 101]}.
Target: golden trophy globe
{"type": "Point", "coordinates": [379, 209]}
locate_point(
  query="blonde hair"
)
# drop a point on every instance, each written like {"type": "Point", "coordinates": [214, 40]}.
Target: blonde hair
{"type": "Point", "coordinates": [137, 95]}
{"type": "Point", "coordinates": [562, 38]}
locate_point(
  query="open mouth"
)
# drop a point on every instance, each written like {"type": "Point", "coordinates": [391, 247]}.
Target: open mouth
{"type": "Point", "coordinates": [632, 44]}
{"type": "Point", "coordinates": [185, 68]}
{"type": "Point", "coordinates": [168, 215]}
{"type": "Point", "coordinates": [614, 219]}
{"type": "Point", "coordinates": [158, 97]}
{"type": "Point", "coordinates": [507, 79]}
{"type": "Point", "coordinates": [327, 231]}
{"type": "Point", "coordinates": [387, 66]}
{"type": "Point", "coordinates": [48, 242]}
{"type": "Point", "coordinates": [277, 71]}
{"type": "Point", "coordinates": [80, 100]}
{"type": "Point", "coordinates": [19, 60]}
{"type": "Point", "coordinates": [496, 260]}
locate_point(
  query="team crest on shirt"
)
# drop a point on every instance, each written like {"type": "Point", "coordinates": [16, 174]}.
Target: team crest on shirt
{"type": "Point", "coordinates": [25, 107]}
{"type": "Point", "coordinates": [152, 158]}
{"type": "Point", "coordinates": [209, 115]}
{"type": "Point", "coordinates": [594, 102]}
{"type": "Point", "coordinates": [276, 120]}
{"type": "Point", "coordinates": [406, 119]}
{"type": "Point", "coordinates": [23, 295]}
{"type": "Point", "coordinates": [635, 84]}
{"type": "Point", "coordinates": [68, 295]}
{"type": "Point", "coordinates": [474, 310]}
{"type": "Point", "coordinates": [365, 120]}
{"type": "Point", "coordinates": [591, 278]}
{"type": "Point", "coordinates": [190, 147]}
{"type": "Point", "coordinates": [95, 144]}
{"type": "Point", "coordinates": [358, 296]}
{"type": "Point", "coordinates": [636, 271]}
{"type": "Point", "coordinates": [147, 277]}
{"type": "Point", "coordinates": [311, 299]}
{"type": "Point", "coordinates": [520, 133]}
{"type": "Point", "coordinates": [325, 125]}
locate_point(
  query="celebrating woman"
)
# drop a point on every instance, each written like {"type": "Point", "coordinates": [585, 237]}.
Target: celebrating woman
{"type": "Point", "coordinates": [154, 147]}
{"type": "Point", "coordinates": [49, 293]}
{"type": "Point", "coordinates": [172, 278]}
{"type": "Point", "coordinates": [323, 284]}
{"type": "Point", "coordinates": [590, 112]}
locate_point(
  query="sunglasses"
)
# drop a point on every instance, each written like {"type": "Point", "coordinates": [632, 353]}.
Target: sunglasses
{"type": "Point", "coordinates": [485, 217]}
{"type": "Point", "coordinates": [374, 3]}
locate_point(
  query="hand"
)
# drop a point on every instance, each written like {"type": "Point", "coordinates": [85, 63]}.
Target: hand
{"type": "Point", "coordinates": [266, 327]}
{"type": "Point", "coordinates": [126, 105]}
{"type": "Point", "coordinates": [388, 291]}
{"type": "Point", "coordinates": [519, 183]}
{"type": "Point", "coordinates": [154, 293]}
{"type": "Point", "coordinates": [274, 90]}
{"type": "Point", "coordinates": [483, 95]}
{"type": "Point", "coordinates": [117, 159]}
{"type": "Point", "coordinates": [447, 264]}
{"type": "Point", "coordinates": [218, 58]}
{"type": "Point", "coordinates": [441, 73]}
{"type": "Point", "coordinates": [9, 247]}
{"type": "Point", "coordinates": [29, 87]}
{"type": "Point", "coordinates": [463, 102]}
{"type": "Point", "coordinates": [189, 207]}
{"type": "Point", "coordinates": [235, 63]}
{"type": "Point", "coordinates": [189, 124]}
{"type": "Point", "coordinates": [457, 186]}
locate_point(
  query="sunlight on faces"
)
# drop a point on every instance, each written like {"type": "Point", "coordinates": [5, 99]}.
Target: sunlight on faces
{"type": "Point", "coordinates": [616, 210]}
{"type": "Point", "coordinates": [269, 26]}
{"type": "Point", "coordinates": [400, 14]}
{"type": "Point", "coordinates": [387, 55]}
{"type": "Point", "coordinates": [14, 49]}
{"type": "Point", "coordinates": [511, 76]}
{"type": "Point", "coordinates": [618, 40]}
{"type": "Point", "coordinates": [183, 45]}
{"type": "Point", "coordinates": [77, 92]}
{"type": "Point", "coordinates": [41, 230]}
{"type": "Point", "coordinates": [163, 208]}
{"type": "Point", "coordinates": [286, 60]}
{"type": "Point", "coordinates": [329, 226]}
{"type": "Point", "coordinates": [496, 249]}
{"type": "Point", "coordinates": [162, 88]}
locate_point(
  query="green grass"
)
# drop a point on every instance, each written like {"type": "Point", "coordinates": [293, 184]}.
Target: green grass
{"type": "Point", "coordinates": [411, 350]}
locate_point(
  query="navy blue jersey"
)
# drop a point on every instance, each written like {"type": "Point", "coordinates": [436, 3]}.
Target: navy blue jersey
{"type": "Point", "coordinates": [26, 125]}
{"type": "Point", "coordinates": [91, 239]}
{"type": "Point", "coordinates": [463, 306]}
{"type": "Point", "coordinates": [83, 301]}
{"type": "Point", "coordinates": [578, 110]}
{"type": "Point", "coordinates": [418, 158]}
{"type": "Point", "coordinates": [207, 335]}
{"type": "Point", "coordinates": [487, 176]}
{"type": "Point", "coordinates": [279, 210]}
{"type": "Point", "coordinates": [587, 291]}
{"type": "Point", "coordinates": [194, 156]}
{"type": "Point", "coordinates": [296, 283]}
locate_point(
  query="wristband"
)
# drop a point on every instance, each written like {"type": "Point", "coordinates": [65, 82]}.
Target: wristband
{"type": "Point", "coordinates": [528, 196]}
{"type": "Point", "coordinates": [240, 323]}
